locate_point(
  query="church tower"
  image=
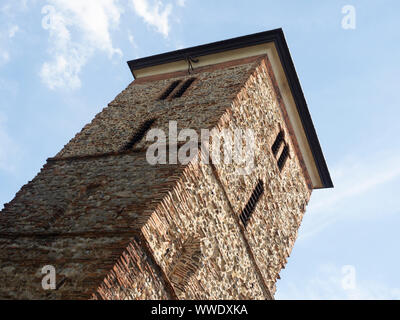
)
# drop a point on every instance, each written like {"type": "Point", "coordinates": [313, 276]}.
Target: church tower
{"type": "Point", "coordinates": [115, 225]}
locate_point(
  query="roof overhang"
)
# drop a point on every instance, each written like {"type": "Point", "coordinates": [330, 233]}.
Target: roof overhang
{"type": "Point", "coordinates": [273, 44]}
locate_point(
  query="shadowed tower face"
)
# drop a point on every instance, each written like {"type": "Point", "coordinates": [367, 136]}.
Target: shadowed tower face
{"type": "Point", "coordinates": [115, 225]}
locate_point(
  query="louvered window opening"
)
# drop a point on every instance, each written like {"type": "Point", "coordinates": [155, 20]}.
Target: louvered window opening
{"type": "Point", "coordinates": [283, 158]}
{"type": "Point", "coordinates": [169, 90]}
{"type": "Point", "coordinates": [277, 144]}
{"type": "Point", "coordinates": [138, 136]}
{"type": "Point", "coordinates": [252, 203]}
{"type": "Point", "coordinates": [183, 88]}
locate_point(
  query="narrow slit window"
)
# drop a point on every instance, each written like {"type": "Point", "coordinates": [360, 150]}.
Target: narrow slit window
{"type": "Point", "coordinates": [138, 136]}
{"type": "Point", "coordinates": [284, 156]}
{"type": "Point", "coordinates": [184, 87]}
{"type": "Point", "coordinates": [277, 144]}
{"type": "Point", "coordinates": [169, 90]}
{"type": "Point", "coordinates": [252, 203]}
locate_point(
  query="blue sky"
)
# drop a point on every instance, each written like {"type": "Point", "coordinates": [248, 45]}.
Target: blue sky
{"type": "Point", "coordinates": [56, 74]}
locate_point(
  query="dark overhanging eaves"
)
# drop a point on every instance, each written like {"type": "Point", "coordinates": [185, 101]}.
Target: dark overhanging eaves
{"type": "Point", "coordinates": [206, 49]}
{"type": "Point", "coordinates": [277, 36]}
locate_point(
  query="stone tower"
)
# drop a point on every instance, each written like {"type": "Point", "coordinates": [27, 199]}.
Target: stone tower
{"type": "Point", "coordinates": [115, 226]}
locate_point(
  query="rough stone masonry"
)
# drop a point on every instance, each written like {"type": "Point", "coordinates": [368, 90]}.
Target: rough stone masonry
{"type": "Point", "coordinates": [116, 227]}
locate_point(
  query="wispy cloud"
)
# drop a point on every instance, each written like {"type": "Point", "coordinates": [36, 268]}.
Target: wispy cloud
{"type": "Point", "coordinates": [131, 39]}
{"type": "Point", "coordinates": [155, 14]}
{"type": "Point", "coordinates": [354, 178]}
{"type": "Point", "coordinates": [12, 31]}
{"type": "Point", "coordinates": [4, 56]}
{"type": "Point", "coordinates": [11, 7]}
{"type": "Point", "coordinates": [10, 11]}
{"type": "Point", "coordinates": [181, 3]}
{"type": "Point", "coordinates": [77, 29]}
{"type": "Point", "coordinates": [5, 38]}
{"type": "Point", "coordinates": [328, 284]}
{"type": "Point", "coordinates": [9, 150]}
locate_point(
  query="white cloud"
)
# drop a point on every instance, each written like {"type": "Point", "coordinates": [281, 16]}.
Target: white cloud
{"type": "Point", "coordinates": [12, 31]}
{"type": "Point", "coordinates": [4, 56]}
{"type": "Point", "coordinates": [156, 16]}
{"type": "Point", "coordinates": [64, 70]}
{"type": "Point", "coordinates": [132, 39]}
{"type": "Point", "coordinates": [5, 43]}
{"type": "Point", "coordinates": [354, 179]}
{"type": "Point", "coordinates": [11, 7]}
{"type": "Point", "coordinates": [77, 29]}
{"type": "Point", "coordinates": [181, 3]}
{"type": "Point", "coordinates": [327, 284]}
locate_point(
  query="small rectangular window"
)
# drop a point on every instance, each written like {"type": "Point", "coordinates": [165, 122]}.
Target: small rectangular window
{"type": "Point", "coordinates": [284, 156]}
{"type": "Point", "coordinates": [139, 134]}
{"type": "Point", "coordinates": [184, 87]}
{"type": "Point", "coordinates": [169, 90]}
{"type": "Point", "coordinates": [278, 142]}
{"type": "Point", "coordinates": [252, 203]}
